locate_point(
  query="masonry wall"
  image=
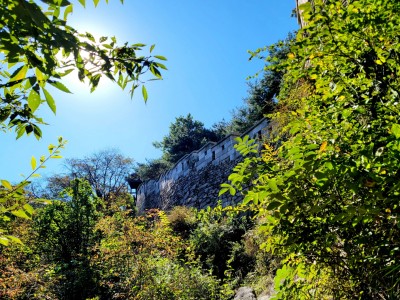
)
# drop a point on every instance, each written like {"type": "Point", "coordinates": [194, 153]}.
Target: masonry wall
{"type": "Point", "coordinates": [196, 178]}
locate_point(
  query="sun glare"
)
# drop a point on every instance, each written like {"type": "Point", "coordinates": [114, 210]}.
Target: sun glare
{"type": "Point", "coordinates": [73, 81]}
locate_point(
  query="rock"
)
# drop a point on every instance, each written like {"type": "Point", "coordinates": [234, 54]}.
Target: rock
{"type": "Point", "coordinates": [264, 298]}
{"type": "Point", "coordinates": [245, 293]}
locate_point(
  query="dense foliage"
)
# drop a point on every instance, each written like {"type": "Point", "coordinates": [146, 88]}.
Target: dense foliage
{"type": "Point", "coordinates": [321, 200]}
{"type": "Point", "coordinates": [82, 251]}
{"type": "Point", "coordinates": [327, 187]}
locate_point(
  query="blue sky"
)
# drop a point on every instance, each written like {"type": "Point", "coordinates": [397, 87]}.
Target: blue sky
{"type": "Point", "coordinates": [206, 43]}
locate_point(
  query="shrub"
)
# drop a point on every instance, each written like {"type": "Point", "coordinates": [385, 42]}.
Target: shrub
{"type": "Point", "coordinates": [217, 241]}
{"type": "Point", "coordinates": [182, 220]}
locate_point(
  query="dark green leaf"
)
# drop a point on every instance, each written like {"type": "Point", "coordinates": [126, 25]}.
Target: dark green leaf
{"type": "Point", "coordinates": [273, 205]}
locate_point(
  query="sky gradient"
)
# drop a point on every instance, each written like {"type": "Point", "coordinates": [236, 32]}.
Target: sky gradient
{"type": "Point", "coordinates": [206, 44]}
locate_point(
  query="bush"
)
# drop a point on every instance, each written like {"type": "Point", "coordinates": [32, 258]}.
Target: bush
{"type": "Point", "coordinates": [165, 279]}
{"type": "Point", "coordinates": [182, 220]}
{"type": "Point", "coordinates": [217, 241]}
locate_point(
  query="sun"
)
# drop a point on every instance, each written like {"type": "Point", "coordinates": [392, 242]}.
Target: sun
{"type": "Point", "coordinates": [92, 63]}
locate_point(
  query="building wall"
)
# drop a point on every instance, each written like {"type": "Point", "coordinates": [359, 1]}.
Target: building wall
{"type": "Point", "coordinates": [196, 178]}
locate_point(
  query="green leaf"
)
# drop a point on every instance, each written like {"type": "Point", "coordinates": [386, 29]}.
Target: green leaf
{"type": "Point", "coordinates": [67, 11]}
{"type": "Point", "coordinates": [94, 81]}
{"type": "Point", "coordinates": [82, 2]}
{"type": "Point", "coordinates": [162, 66]}
{"type": "Point", "coordinates": [29, 209]}
{"type": "Point", "coordinates": [37, 132]}
{"type": "Point", "coordinates": [39, 75]}
{"type": "Point", "coordinates": [20, 131]}
{"type": "Point", "coordinates": [144, 93]}
{"type": "Point", "coordinates": [160, 57]}
{"type": "Point", "coordinates": [272, 185]}
{"type": "Point", "coordinates": [396, 130]}
{"type": "Point", "coordinates": [20, 214]}
{"type": "Point", "coordinates": [33, 100]}
{"type": "Point", "coordinates": [223, 191]}
{"type": "Point", "coordinates": [20, 73]}
{"type": "Point", "coordinates": [155, 71]}
{"type": "Point", "coordinates": [6, 184]}
{"type": "Point", "coordinates": [151, 48]}
{"type": "Point", "coordinates": [329, 165]}
{"type": "Point", "coordinates": [95, 2]}
{"type": "Point", "coordinates": [50, 101]}
{"type": "Point", "coordinates": [60, 86]}
{"type": "Point", "coordinates": [232, 191]}
{"type": "Point", "coordinates": [4, 241]}
{"type": "Point", "coordinates": [14, 239]}
{"type": "Point", "coordinates": [33, 163]}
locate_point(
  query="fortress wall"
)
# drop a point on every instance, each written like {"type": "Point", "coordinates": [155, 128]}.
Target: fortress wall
{"type": "Point", "coordinates": [196, 178]}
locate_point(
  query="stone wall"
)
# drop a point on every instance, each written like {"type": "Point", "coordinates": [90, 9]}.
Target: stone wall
{"type": "Point", "coordinates": [196, 178]}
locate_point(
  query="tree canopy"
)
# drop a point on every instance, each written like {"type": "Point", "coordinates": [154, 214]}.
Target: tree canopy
{"type": "Point", "coordinates": [185, 135]}
{"type": "Point", "coordinates": [105, 171]}
{"type": "Point", "coordinates": [38, 49]}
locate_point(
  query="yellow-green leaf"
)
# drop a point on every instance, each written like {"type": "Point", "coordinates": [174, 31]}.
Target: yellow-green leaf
{"type": "Point", "coordinates": [67, 11]}
{"type": "Point", "coordinates": [33, 163]}
{"type": "Point", "coordinates": [14, 239]}
{"type": "Point", "coordinates": [396, 130]}
{"type": "Point", "coordinates": [4, 241]}
{"type": "Point", "coordinates": [50, 101]}
{"type": "Point", "coordinates": [20, 214]}
{"type": "Point", "coordinates": [21, 73]}
{"type": "Point", "coordinates": [6, 184]}
{"type": "Point", "coordinates": [144, 92]}
{"type": "Point", "coordinates": [39, 75]}
{"type": "Point", "coordinates": [160, 57]}
{"type": "Point", "coordinates": [33, 100]}
{"type": "Point", "coordinates": [29, 209]}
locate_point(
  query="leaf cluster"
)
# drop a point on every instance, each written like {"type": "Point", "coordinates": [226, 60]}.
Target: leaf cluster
{"type": "Point", "coordinates": [38, 49]}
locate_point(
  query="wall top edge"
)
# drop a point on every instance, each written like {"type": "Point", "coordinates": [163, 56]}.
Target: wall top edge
{"type": "Point", "coordinates": [212, 145]}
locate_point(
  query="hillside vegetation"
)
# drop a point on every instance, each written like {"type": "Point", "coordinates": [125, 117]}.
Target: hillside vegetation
{"type": "Point", "coordinates": [320, 215]}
